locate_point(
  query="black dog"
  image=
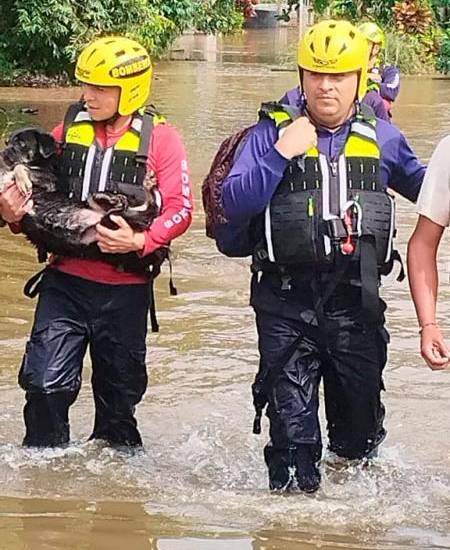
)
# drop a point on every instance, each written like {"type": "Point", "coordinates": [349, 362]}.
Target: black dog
{"type": "Point", "coordinates": [66, 226]}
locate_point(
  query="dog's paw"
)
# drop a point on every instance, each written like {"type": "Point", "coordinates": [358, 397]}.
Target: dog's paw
{"type": "Point", "coordinates": [150, 180]}
{"type": "Point", "coordinates": [22, 179]}
{"type": "Point", "coordinates": [5, 179]}
{"type": "Point", "coordinates": [108, 203]}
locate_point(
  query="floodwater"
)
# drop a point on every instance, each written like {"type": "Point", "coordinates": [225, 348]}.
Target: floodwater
{"type": "Point", "coordinates": [201, 483]}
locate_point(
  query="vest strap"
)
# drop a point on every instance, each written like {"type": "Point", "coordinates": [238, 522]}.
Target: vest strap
{"type": "Point", "coordinates": [370, 298]}
{"type": "Point", "coordinates": [144, 143]}
{"type": "Point", "coordinates": [70, 116]}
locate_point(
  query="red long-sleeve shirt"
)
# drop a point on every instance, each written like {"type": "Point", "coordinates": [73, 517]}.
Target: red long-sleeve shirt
{"type": "Point", "coordinates": [167, 159]}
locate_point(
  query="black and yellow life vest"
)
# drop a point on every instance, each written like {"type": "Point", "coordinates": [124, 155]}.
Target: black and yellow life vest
{"type": "Point", "coordinates": [324, 210]}
{"type": "Point", "coordinates": [86, 168]}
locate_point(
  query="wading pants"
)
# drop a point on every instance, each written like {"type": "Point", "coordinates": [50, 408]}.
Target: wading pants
{"type": "Point", "coordinates": [71, 314]}
{"type": "Point", "coordinates": [299, 348]}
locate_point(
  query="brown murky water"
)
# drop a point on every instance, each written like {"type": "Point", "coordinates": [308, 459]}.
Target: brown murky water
{"type": "Point", "coordinates": [201, 483]}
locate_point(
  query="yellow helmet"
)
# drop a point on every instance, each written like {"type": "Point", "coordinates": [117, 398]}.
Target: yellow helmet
{"type": "Point", "coordinates": [117, 61]}
{"type": "Point", "coordinates": [335, 47]}
{"type": "Point", "coordinates": [373, 33]}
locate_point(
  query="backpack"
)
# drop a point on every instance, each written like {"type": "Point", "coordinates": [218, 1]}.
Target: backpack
{"type": "Point", "coordinates": [226, 155]}
{"type": "Point", "coordinates": [232, 240]}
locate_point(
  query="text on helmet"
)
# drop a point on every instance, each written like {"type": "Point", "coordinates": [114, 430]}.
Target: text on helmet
{"type": "Point", "coordinates": [133, 67]}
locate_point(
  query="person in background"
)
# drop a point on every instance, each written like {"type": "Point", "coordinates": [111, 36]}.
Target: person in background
{"type": "Point", "coordinates": [433, 207]}
{"type": "Point", "coordinates": [384, 80]}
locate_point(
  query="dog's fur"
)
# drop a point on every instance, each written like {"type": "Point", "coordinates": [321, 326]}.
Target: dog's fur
{"type": "Point", "coordinates": [64, 226]}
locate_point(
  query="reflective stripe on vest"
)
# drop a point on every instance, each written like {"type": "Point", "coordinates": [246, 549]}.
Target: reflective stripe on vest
{"type": "Point", "coordinates": [84, 152]}
{"type": "Point", "coordinates": [309, 213]}
{"type": "Point", "coordinates": [361, 143]}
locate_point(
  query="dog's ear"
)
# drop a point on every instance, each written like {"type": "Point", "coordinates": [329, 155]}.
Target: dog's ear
{"type": "Point", "coordinates": [47, 146]}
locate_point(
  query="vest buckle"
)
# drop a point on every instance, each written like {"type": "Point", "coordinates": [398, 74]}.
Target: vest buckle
{"type": "Point", "coordinates": [286, 282]}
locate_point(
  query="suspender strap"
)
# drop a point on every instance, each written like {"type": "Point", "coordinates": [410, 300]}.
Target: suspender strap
{"type": "Point", "coordinates": [153, 320]}
{"type": "Point", "coordinates": [370, 299]}
{"type": "Point", "coordinates": [320, 299]}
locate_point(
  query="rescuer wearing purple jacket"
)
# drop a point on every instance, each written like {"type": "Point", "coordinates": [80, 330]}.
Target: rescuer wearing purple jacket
{"type": "Point", "coordinates": [307, 199]}
{"type": "Point", "coordinates": [384, 80]}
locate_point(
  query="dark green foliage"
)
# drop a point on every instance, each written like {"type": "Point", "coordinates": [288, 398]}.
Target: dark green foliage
{"type": "Point", "coordinates": [44, 36]}
{"type": "Point", "coordinates": [369, 9]}
{"type": "Point", "coordinates": [443, 61]}
{"type": "Point", "coordinates": [215, 16]}
{"type": "Point", "coordinates": [442, 10]}
{"type": "Point", "coordinates": [422, 49]}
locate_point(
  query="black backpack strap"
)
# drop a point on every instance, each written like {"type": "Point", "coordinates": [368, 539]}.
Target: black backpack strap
{"type": "Point", "coordinates": [172, 288]}
{"type": "Point", "coordinates": [153, 319]}
{"type": "Point", "coordinates": [397, 258]}
{"type": "Point", "coordinates": [146, 134]}
{"type": "Point", "coordinates": [33, 285]}
{"type": "Point", "coordinates": [71, 115]}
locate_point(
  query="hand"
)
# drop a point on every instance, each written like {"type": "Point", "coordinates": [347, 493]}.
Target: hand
{"type": "Point", "coordinates": [433, 348]}
{"type": "Point", "coordinates": [13, 205]}
{"type": "Point", "coordinates": [375, 77]}
{"type": "Point", "coordinates": [298, 137]}
{"type": "Point", "coordinates": [121, 240]}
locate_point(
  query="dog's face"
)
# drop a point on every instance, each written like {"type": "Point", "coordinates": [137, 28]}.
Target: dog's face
{"type": "Point", "coordinates": [29, 146]}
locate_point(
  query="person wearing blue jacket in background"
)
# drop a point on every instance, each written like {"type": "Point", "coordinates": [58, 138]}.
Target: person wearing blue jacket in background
{"type": "Point", "coordinates": [384, 80]}
{"type": "Point", "coordinates": [307, 199]}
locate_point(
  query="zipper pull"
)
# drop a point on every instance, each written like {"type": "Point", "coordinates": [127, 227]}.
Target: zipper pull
{"type": "Point", "coordinates": [333, 168]}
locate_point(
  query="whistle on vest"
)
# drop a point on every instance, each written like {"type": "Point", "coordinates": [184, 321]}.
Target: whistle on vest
{"type": "Point", "coordinates": [348, 246]}
{"type": "Point", "coordinates": [352, 222]}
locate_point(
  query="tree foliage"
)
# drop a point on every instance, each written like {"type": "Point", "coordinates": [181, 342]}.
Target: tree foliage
{"type": "Point", "coordinates": [45, 35]}
{"type": "Point", "coordinates": [426, 22]}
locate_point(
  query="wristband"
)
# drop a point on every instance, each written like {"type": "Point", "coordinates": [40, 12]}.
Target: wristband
{"type": "Point", "coordinates": [427, 325]}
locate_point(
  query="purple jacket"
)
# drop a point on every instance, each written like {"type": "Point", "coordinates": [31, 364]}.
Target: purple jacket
{"type": "Point", "coordinates": [374, 100]}
{"type": "Point", "coordinates": [257, 172]}
{"type": "Point", "coordinates": [390, 82]}
{"type": "Point", "coordinates": [389, 89]}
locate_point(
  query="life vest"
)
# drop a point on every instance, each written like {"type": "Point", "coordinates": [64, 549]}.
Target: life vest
{"type": "Point", "coordinates": [324, 211]}
{"type": "Point", "coordinates": [373, 86]}
{"type": "Point", "coordinates": [86, 168]}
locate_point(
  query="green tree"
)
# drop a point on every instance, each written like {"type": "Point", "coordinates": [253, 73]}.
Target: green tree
{"type": "Point", "coordinates": [44, 36]}
{"type": "Point", "coordinates": [428, 24]}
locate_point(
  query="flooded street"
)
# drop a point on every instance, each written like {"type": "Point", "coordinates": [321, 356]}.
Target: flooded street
{"type": "Point", "coordinates": [201, 482]}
